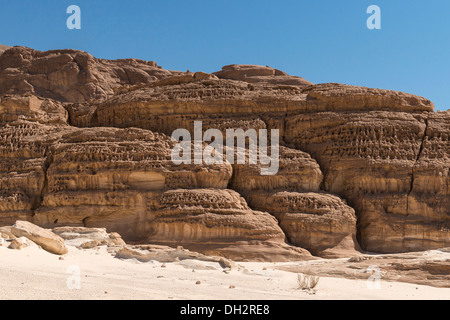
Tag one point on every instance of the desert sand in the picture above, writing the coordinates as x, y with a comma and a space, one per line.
32, 273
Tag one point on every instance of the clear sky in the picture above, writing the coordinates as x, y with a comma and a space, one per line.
320, 40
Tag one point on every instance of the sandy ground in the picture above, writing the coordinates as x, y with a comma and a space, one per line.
32, 273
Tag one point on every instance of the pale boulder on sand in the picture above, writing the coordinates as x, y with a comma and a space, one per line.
45, 238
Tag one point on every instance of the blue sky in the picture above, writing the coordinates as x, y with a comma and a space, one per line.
320, 40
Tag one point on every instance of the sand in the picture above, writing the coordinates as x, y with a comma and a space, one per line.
32, 273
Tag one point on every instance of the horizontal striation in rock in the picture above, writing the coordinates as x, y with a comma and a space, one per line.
210, 219
260, 74
122, 159
23, 147
341, 97
296, 171
373, 159
320, 222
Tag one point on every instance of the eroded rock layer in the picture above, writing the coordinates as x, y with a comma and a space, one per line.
85, 142
319, 222
386, 165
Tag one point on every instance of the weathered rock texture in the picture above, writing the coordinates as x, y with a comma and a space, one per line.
319, 222
260, 74
393, 169
87, 238
85, 142
70, 75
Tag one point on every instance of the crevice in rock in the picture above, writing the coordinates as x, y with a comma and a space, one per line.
80, 67
284, 127
322, 188
324, 174
128, 76
84, 221
424, 136
47, 162
423, 139
230, 181
69, 117
287, 240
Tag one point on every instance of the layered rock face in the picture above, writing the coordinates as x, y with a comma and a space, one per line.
23, 149
85, 142
211, 220
319, 222
380, 163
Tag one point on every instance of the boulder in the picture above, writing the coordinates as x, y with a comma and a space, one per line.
45, 238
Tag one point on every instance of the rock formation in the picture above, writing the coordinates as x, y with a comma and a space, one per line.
321, 223
71, 75
45, 238
87, 238
85, 142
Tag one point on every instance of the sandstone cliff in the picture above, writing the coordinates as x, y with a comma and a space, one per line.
86, 142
